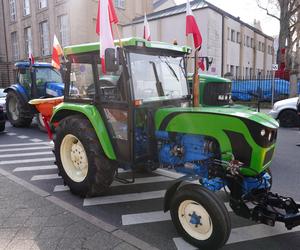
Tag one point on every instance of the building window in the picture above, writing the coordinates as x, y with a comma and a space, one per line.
232, 35
251, 72
252, 41
248, 41
63, 30
232, 70
120, 4
43, 4
259, 46
263, 47
26, 7
228, 34
15, 46
28, 40
247, 72
237, 71
44, 32
244, 40
12, 10
238, 37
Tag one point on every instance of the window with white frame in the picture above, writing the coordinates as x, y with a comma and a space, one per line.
26, 7
44, 33
120, 4
43, 4
63, 24
28, 40
12, 10
14, 46
238, 37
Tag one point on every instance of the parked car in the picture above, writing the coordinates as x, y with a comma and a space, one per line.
286, 112
2, 99
2, 119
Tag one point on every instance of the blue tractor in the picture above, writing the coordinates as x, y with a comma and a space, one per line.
38, 80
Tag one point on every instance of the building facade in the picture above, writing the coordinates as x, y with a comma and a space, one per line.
236, 47
29, 26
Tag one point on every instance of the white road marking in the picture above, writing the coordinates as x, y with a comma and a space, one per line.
61, 188
45, 177
23, 144
240, 234
11, 134
150, 217
24, 169
23, 136
168, 173
143, 181
123, 198
26, 154
24, 149
36, 140
50, 159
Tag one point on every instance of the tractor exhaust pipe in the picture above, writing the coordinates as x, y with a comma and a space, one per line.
196, 80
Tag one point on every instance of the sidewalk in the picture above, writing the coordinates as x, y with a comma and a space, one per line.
31, 221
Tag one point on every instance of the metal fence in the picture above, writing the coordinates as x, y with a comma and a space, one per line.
260, 88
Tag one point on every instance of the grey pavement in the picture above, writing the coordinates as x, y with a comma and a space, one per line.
31, 221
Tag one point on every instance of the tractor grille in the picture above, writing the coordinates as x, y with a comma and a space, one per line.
217, 94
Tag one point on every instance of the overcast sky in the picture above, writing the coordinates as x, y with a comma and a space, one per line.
247, 10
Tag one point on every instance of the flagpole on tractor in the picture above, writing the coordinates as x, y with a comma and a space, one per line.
118, 34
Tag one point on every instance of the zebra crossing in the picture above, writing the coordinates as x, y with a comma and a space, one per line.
34, 162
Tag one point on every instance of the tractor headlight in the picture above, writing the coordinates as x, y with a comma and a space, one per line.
262, 132
270, 136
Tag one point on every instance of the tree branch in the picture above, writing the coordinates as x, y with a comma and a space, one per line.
266, 9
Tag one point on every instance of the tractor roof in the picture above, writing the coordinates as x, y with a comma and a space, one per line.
132, 41
26, 64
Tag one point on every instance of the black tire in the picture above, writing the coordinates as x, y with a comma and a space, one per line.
2, 127
23, 117
288, 119
101, 170
40, 123
219, 217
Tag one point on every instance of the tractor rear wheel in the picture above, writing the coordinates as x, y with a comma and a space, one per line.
80, 158
200, 217
40, 122
19, 115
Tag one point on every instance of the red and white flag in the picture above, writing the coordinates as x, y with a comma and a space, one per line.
105, 18
191, 26
30, 57
56, 53
147, 33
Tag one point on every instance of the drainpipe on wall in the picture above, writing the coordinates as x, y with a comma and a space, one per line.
5, 38
223, 33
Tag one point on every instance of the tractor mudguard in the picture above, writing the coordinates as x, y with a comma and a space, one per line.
91, 113
185, 180
21, 92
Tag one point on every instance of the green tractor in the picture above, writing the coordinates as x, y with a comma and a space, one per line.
141, 115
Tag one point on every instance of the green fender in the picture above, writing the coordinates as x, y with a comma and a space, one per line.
91, 113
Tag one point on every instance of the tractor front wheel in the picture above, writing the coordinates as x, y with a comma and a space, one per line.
200, 217
80, 158
18, 115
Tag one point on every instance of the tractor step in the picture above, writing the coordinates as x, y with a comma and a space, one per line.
123, 180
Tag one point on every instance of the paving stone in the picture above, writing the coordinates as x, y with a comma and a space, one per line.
28, 233
103, 239
20, 244
124, 246
46, 244
13, 222
66, 219
22, 212
4, 243
8, 233
51, 232
36, 221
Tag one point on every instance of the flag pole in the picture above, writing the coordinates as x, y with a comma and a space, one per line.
118, 34
196, 80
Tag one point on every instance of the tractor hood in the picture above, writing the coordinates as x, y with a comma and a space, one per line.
164, 115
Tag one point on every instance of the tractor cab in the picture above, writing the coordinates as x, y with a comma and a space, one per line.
141, 78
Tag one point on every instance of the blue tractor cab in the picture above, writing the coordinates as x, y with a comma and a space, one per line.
38, 80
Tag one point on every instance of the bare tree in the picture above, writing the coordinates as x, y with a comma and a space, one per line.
288, 17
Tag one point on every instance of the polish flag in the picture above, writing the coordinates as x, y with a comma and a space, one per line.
56, 53
147, 33
191, 26
105, 18
30, 57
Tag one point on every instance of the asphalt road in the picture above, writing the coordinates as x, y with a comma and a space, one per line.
137, 208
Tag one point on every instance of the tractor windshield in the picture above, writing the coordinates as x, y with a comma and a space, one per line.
44, 75
157, 77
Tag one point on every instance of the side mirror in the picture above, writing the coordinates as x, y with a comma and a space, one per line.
111, 62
